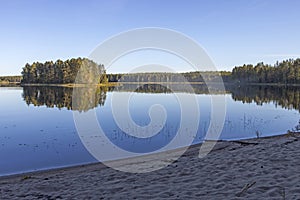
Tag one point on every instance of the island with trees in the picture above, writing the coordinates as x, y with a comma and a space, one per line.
63, 72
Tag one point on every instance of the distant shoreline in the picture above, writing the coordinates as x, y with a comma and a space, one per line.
110, 84
71, 85
9, 84
136, 83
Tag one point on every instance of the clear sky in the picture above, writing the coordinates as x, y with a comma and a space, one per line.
233, 32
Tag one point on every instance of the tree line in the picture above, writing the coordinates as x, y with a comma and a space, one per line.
10, 79
64, 72
196, 76
285, 72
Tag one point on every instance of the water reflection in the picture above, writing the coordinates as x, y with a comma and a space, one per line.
61, 97
48, 138
171, 88
286, 97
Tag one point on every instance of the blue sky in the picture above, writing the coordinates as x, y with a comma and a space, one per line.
232, 32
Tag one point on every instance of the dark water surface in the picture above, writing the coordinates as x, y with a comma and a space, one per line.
37, 129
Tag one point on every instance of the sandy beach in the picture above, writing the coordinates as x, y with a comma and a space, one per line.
264, 168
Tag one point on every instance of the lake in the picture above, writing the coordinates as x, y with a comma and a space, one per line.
37, 129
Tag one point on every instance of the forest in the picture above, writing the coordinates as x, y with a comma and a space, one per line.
64, 72
285, 72
209, 76
10, 79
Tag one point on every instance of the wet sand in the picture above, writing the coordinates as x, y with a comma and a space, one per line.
265, 168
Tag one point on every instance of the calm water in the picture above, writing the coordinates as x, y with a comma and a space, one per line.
37, 129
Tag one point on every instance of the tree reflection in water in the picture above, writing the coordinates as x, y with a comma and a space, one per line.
287, 97
61, 97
